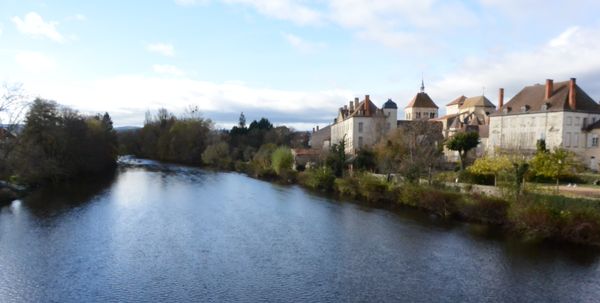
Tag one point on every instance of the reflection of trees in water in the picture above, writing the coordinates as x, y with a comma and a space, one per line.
59, 197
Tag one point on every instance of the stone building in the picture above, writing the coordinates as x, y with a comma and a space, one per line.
421, 107
362, 123
560, 113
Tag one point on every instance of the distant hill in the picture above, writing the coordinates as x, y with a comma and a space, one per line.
126, 128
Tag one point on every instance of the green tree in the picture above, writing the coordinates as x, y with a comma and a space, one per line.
554, 164
492, 166
463, 142
282, 160
365, 159
58, 143
336, 159
217, 155
263, 156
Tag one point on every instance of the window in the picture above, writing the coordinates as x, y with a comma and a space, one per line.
431, 115
569, 120
595, 141
360, 127
387, 126
360, 142
418, 116
575, 140
568, 140
585, 122
577, 121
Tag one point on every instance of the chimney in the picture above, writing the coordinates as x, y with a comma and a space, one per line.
367, 105
501, 98
572, 94
345, 107
351, 106
313, 129
549, 89
317, 128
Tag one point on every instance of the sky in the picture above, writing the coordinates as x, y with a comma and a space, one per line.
292, 61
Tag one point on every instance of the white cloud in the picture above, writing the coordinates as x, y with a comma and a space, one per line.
572, 53
161, 48
167, 69
127, 98
191, 2
35, 62
291, 10
77, 17
33, 24
301, 44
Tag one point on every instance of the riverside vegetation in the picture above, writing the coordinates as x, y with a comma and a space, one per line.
58, 143
55, 144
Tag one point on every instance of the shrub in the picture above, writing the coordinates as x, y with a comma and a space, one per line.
282, 160
581, 226
440, 202
217, 155
372, 188
321, 178
484, 209
536, 221
347, 186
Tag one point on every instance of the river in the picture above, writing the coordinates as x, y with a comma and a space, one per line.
158, 233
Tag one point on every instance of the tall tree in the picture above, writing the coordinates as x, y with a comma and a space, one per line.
412, 150
463, 142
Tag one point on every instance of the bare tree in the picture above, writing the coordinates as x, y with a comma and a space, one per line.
13, 105
412, 150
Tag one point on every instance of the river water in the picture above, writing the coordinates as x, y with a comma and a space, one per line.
165, 233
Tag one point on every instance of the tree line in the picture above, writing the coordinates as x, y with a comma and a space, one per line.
57, 143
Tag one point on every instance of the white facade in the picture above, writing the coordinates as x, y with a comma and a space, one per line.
559, 129
452, 109
360, 128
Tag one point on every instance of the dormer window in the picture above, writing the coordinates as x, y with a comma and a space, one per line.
545, 106
524, 108
506, 110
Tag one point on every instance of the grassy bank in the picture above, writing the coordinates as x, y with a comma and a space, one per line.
534, 217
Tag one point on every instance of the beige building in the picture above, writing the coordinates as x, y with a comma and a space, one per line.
467, 114
560, 113
362, 123
421, 107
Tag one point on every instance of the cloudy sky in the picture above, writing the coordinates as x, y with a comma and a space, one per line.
293, 61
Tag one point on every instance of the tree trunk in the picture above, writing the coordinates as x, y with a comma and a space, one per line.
557, 184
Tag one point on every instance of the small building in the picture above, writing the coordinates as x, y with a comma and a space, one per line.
320, 138
305, 157
421, 107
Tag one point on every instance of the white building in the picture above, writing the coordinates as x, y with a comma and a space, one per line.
363, 124
560, 113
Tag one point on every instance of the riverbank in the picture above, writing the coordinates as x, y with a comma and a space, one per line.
530, 216
10, 192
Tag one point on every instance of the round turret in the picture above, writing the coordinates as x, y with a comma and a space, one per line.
389, 104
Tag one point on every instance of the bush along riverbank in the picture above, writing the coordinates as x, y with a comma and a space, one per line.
534, 217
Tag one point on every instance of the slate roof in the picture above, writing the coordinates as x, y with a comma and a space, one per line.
390, 104
534, 98
422, 100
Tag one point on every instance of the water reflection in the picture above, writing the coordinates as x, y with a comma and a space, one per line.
168, 233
